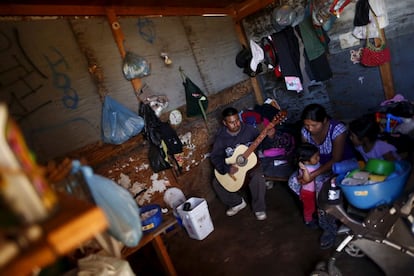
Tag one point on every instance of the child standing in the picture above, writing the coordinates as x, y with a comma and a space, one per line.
364, 133
308, 160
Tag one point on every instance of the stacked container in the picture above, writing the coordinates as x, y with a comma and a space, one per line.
196, 218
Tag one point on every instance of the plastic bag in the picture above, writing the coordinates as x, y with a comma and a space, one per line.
196, 100
157, 103
135, 66
152, 123
98, 265
119, 207
118, 122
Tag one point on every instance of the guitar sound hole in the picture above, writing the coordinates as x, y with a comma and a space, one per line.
241, 161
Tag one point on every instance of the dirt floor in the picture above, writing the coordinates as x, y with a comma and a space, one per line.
241, 245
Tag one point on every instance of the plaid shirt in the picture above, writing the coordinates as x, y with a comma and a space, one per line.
325, 149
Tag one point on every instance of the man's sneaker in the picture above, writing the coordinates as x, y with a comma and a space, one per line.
235, 209
260, 215
327, 240
269, 184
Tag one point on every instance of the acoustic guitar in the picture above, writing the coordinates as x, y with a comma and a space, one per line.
244, 158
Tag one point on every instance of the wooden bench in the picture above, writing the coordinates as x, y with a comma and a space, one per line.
276, 178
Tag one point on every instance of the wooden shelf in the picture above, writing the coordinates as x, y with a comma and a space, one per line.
158, 244
75, 222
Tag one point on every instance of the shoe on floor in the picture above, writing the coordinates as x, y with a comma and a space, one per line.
235, 209
269, 185
313, 224
327, 240
261, 215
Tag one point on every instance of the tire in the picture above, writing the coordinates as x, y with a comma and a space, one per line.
354, 251
334, 271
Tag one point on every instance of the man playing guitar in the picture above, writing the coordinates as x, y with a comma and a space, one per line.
233, 158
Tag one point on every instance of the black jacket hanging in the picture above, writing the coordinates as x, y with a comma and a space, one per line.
361, 17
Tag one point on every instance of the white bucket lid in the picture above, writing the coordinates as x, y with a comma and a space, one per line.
174, 197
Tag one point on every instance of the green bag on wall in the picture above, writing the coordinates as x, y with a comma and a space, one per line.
196, 100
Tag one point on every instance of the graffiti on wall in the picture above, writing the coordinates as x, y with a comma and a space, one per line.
21, 80
146, 29
16, 79
36, 81
62, 81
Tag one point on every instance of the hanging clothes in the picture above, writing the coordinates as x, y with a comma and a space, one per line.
288, 51
313, 45
321, 68
316, 50
304, 62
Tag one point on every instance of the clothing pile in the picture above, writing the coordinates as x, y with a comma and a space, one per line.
275, 154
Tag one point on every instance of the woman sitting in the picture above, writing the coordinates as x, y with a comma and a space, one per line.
330, 136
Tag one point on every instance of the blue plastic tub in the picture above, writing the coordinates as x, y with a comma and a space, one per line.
151, 217
367, 196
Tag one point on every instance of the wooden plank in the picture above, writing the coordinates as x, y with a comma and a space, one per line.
95, 10
172, 11
239, 11
75, 222
243, 40
386, 75
50, 10
30, 260
250, 7
116, 30
164, 256
149, 237
387, 80
119, 39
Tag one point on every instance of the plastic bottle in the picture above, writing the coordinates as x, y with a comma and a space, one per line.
334, 192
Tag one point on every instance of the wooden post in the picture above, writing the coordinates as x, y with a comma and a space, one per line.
243, 40
386, 75
119, 39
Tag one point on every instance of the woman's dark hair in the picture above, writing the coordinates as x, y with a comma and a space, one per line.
305, 151
365, 126
229, 111
314, 112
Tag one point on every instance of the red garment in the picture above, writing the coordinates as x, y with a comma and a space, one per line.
250, 113
309, 204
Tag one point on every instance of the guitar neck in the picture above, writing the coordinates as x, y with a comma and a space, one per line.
255, 144
278, 118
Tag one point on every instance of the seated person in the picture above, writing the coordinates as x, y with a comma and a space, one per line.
277, 148
277, 153
229, 137
364, 133
330, 136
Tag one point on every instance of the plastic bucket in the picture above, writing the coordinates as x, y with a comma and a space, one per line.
151, 217
367, 196
196, 218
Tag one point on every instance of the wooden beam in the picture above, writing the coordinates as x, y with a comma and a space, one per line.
171, 11
243, 40
50, 10
89, 10
386, 76
249, 7
119, 39
387, 80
